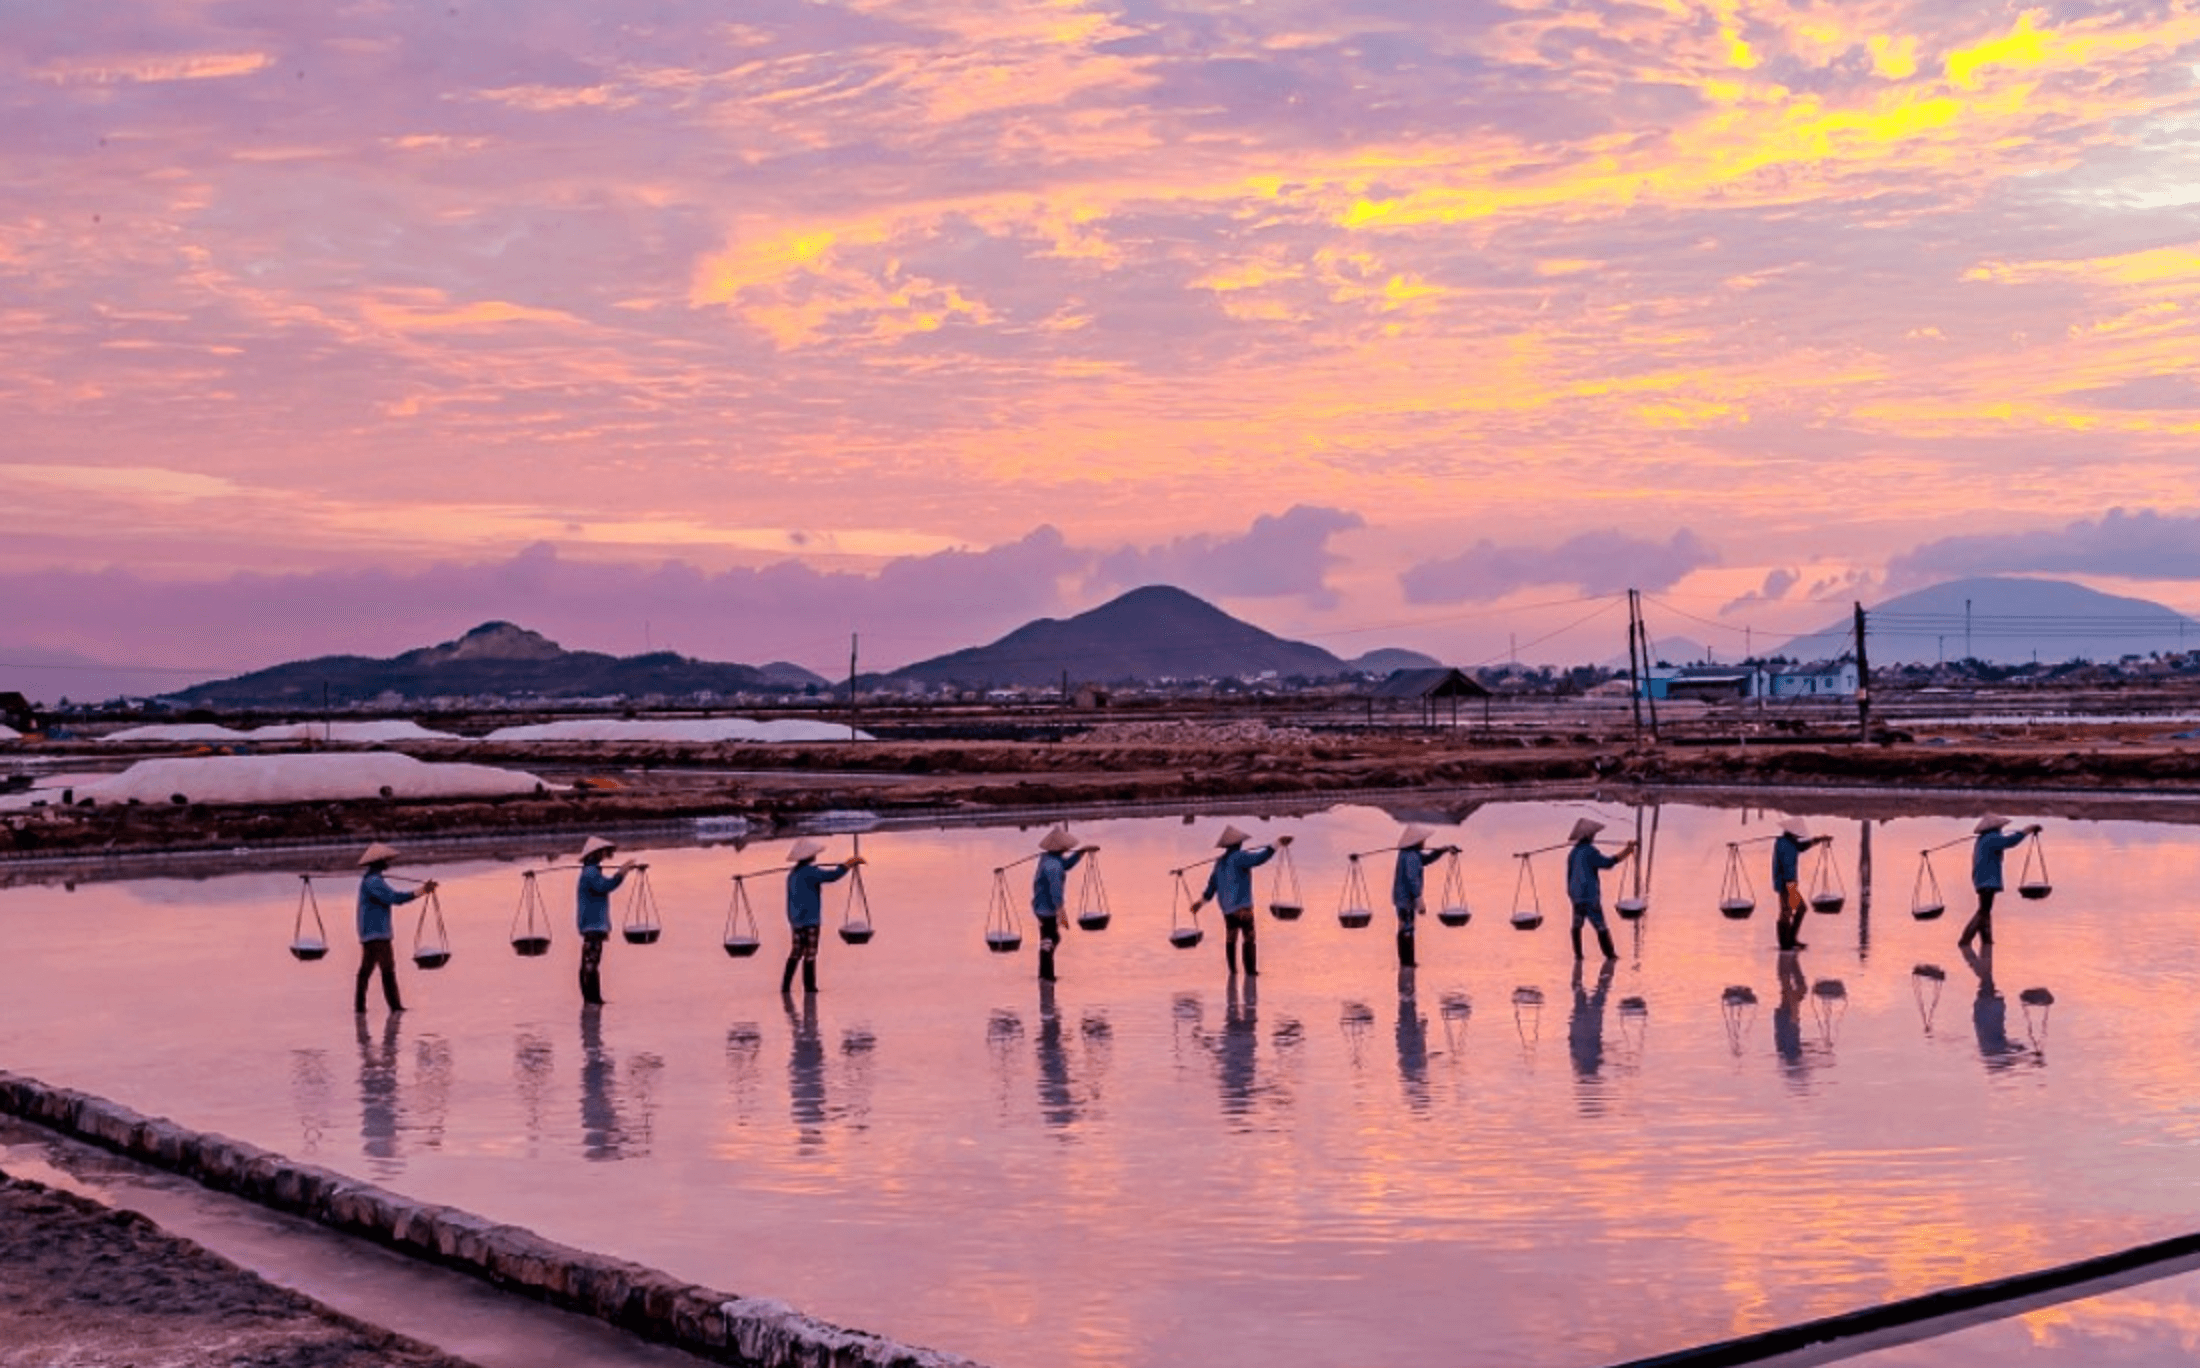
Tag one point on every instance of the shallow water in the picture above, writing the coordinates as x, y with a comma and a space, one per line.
1152, 1165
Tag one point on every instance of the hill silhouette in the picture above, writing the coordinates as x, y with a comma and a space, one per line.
1154, 633
496, 658
2011, 620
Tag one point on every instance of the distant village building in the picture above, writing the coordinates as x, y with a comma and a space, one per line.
1753, 680
1821, 679
16, 712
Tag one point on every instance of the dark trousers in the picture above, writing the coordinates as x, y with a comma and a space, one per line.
373, 955
1050, 935
1981, 924
592, 967
1792, 907
802, 951
1238, 926
1405, 937
1594, 915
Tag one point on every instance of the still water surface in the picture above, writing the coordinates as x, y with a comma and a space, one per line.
1491, 1161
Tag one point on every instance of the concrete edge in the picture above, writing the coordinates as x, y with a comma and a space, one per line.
749, 1332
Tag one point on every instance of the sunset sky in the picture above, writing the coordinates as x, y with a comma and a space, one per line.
737, 328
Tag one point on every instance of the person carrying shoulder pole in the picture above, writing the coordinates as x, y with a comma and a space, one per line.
1787, 879
592, 912
806, 908
1406, 883
376, 898
1585, 866
1230, 883
1059, 853
1986, 853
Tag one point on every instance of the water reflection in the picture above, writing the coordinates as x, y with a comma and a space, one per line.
1926, 983
1990, 1016
1528, 1019
1797, 1060
1738, 1005
1412, 1036
602, 1134
1585, 1039
806, 1098
1457, 1012
534, 1059
744, 1066
312, 1091
1356, 1020
1057, 1090
378, 1094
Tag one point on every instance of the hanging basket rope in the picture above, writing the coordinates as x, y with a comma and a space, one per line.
1184, 932
308, 945
641, 924
1093, 911
431, 938
1633, 903
855, 917
1452, 909
1527, 908
1926, 902
742, 940
1286, 902
1926, 983
530, 920
1737, 897
1828, 893
2034, 883
1355, 908
1004, 932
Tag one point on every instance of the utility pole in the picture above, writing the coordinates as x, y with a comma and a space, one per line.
1642, 632
1635, 675
851, 686
1863, 682
1968, 653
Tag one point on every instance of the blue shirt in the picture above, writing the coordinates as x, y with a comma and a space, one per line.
1230, 883
805, 904
1986, 854
1787, 862
1405, 883
1583, 865
592, 900
376, 898
1050, 880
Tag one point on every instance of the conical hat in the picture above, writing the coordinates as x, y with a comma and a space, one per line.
1585, 829
375, 854
1796, 827
1990, 822
595, 844
1414, 835
1231, 836
808, 848
1057, 841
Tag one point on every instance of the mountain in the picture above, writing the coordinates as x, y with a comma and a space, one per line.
1382, 663
2008, 620
494, 658
1675, 650
1153, 633
788, 675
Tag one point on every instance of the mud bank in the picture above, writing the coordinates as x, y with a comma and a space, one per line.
83, 1284
718, 1326
772, 787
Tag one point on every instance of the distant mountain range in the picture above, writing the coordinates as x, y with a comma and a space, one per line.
2008, 620
1154, 633
495, 658
1148, 634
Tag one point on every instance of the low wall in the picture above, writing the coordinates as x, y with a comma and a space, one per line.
745, 1331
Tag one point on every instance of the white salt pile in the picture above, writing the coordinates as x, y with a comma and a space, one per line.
291, 779
8, 733
356, 733
700, 731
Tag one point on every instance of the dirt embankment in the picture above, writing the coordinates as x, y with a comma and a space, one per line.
83, 1285
773, 784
